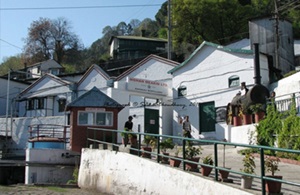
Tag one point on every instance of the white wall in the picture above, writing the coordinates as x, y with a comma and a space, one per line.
14, 89
122, 173
49, 166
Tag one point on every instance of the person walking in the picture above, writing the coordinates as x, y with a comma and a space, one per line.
127, 127
186, 126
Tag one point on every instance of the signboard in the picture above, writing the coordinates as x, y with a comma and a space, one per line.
147, 86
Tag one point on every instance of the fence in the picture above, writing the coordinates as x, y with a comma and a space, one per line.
183, 142
39, 131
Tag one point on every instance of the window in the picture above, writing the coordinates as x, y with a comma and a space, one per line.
234, 81
61, 105
30, 104
40, 103
54, 71
182, 91
95, 118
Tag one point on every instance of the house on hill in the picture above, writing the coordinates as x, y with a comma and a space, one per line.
34, 71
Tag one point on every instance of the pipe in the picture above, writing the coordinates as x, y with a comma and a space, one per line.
257, 77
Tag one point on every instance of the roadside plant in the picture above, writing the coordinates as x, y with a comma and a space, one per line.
271, 165
166, 144
193, 151
208, 160
248, 164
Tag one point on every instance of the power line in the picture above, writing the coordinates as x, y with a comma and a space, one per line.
11, 44
80, 7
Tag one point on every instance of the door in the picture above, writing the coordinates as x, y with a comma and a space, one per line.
207, 117
151, 121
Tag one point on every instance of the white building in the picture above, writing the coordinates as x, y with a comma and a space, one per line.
206, 82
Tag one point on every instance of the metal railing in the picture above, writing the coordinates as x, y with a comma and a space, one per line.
40, 131
284, 103
182, 141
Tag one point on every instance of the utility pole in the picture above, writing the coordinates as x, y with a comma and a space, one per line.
169, 31
7, 103
276, 36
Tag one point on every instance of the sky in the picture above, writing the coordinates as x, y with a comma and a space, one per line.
87, 18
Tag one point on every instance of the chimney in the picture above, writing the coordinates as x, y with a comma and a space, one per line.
143, 31
257, 77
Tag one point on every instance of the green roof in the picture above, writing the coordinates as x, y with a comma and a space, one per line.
139, 38
226, 49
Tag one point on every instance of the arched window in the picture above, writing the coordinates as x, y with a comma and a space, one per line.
182, 91
234, 81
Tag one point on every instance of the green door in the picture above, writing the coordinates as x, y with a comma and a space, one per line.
207, 117
151, 121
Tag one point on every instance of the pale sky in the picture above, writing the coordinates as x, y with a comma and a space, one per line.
87, 18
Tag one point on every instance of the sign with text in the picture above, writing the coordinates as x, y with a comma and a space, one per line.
147, 86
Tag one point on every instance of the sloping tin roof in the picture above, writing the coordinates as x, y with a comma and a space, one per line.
205, 43
95, 98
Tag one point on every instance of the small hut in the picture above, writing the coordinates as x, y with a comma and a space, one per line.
92, 109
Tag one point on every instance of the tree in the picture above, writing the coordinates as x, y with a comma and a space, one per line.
50, 39
13, 62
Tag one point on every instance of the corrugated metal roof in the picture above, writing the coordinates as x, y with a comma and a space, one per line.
205, 43
95, 98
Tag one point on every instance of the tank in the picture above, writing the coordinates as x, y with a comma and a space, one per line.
46, 142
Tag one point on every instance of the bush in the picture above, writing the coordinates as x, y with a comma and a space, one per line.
269, 127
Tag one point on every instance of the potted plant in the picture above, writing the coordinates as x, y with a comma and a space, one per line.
238, 117
175, 162
191, 155
132, 138
271, 165
247, 116
258, 110
164, 145
249, 168
206, 170
148, 140
224, 173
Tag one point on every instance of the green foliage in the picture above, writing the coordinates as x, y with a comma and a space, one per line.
271, 164
150, 140
75, 176
211, 20
248, 164
193, 151
166, 144
269, 127
69, 68
255, 108
14, 63
208, 160
289, 135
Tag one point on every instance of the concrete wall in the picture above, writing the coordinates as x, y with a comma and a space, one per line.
245, 134
49, 166
122, 173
